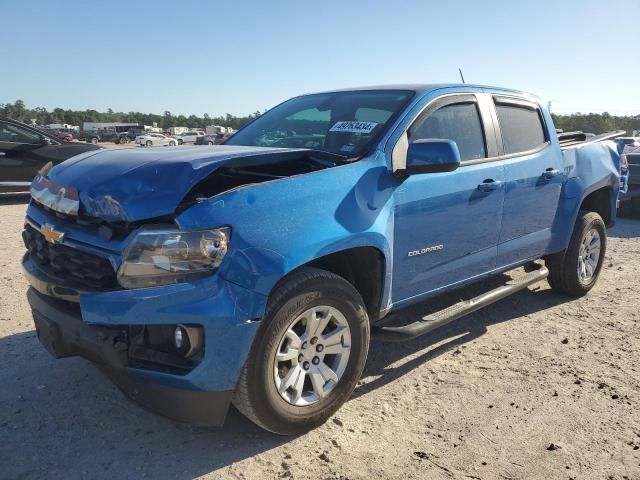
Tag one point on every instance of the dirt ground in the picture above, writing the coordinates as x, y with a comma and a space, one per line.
538, 386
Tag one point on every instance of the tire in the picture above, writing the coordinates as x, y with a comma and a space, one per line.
564, 267
257, 395
94, 140
172, 144
209, 143
149, 143
180, 142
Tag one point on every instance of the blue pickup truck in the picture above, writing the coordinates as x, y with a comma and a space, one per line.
255, 272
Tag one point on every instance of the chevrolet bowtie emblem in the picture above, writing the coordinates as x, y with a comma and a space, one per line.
50, 234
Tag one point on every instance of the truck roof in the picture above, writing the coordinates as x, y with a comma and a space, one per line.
424, 87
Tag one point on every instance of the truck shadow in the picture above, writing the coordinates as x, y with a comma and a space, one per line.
62, 418
383, 357
626, 227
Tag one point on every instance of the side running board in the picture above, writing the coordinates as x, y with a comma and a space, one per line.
448, 315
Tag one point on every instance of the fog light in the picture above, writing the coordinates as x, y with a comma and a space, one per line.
179, 337
188, 340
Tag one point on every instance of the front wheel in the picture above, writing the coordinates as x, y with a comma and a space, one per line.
172, 143
149, 143
575, 271
308, 355
180, 142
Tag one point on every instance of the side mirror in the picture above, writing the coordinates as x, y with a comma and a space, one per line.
431, 156
45, 140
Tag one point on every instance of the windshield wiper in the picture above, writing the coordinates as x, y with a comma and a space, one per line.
323, 156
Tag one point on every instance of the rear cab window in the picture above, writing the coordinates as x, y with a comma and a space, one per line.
521, 125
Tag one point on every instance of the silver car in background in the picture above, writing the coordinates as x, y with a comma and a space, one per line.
188, 137
154, 140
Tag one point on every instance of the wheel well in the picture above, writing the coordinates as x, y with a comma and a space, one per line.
363, 267
599, 202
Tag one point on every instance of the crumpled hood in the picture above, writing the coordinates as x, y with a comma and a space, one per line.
132, 184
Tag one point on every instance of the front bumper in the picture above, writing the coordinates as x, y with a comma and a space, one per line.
95, 329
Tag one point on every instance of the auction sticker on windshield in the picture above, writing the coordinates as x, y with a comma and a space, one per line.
353, 127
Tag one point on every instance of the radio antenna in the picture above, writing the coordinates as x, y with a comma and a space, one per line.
461, 76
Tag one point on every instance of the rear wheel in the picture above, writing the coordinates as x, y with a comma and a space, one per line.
209, 142
149, 143
94, 140
308, 355
576, 270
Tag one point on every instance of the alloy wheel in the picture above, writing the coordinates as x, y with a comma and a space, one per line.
589, 256
312, 356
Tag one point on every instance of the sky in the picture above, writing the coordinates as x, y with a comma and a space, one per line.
196, 57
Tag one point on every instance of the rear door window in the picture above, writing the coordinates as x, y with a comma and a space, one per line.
521, 126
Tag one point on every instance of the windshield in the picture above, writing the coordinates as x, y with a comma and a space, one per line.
343, 123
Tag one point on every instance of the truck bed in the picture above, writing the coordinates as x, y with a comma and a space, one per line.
576, 139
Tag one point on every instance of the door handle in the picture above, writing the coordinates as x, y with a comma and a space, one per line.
489, 185
549, 173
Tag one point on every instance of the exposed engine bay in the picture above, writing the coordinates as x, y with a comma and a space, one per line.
258, 169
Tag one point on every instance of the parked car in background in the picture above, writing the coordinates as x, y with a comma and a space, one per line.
188, 137
213, 138
207, 139
132, 133
154, 140
627, 144
60, 135
630, 199
101, 135
24, 150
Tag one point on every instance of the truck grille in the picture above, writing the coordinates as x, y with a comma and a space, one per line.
89, 271
97, 226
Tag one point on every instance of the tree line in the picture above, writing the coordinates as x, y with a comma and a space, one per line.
591, 122
19, 111
596, 122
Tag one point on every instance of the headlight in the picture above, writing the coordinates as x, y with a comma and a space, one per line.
161, 257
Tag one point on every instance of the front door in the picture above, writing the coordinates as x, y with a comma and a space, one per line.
447, 225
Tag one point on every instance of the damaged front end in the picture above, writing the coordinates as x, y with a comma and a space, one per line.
115, 280
128, 185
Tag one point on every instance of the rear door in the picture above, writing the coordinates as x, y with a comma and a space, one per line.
534, 177
447, 224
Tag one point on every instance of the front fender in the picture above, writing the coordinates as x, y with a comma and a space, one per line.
280, 225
